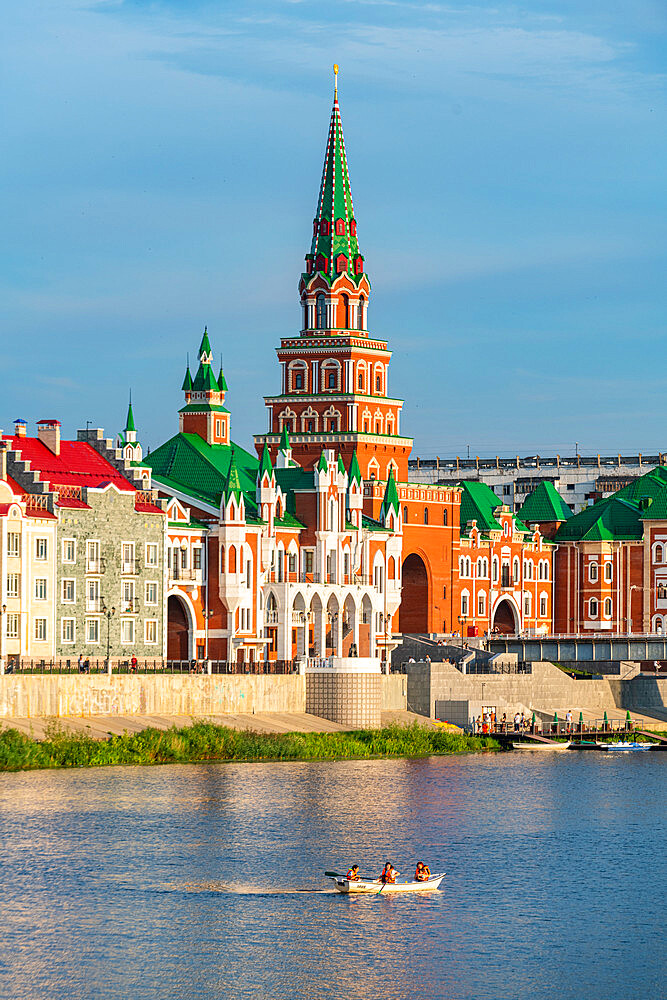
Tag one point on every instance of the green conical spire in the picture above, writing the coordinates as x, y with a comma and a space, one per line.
390, 495
187, 381
265, 465
335, 204
205, 346
129, 423
284, 445
355, 471
341, 464
222, 381
323, 465
233, 480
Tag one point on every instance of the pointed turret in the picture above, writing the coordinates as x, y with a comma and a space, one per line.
323, 465
205, 353
335, 248
390, 502
341, 465
127, 438
265, 467
222, 381
129, 423
204, 412
354, 473
187, 381
233, 485
284, 445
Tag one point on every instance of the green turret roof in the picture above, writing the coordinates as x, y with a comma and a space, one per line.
284, 444
222, 381
265, 464
335, 203
479, 503
620, 516
205, 380
233, 484
129, 423
323, 465
390, 495
205, 346
341, 464
545, 504
187, 381
355, 471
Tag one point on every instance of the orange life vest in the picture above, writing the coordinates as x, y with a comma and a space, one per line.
423, 874
387, 876
353, 876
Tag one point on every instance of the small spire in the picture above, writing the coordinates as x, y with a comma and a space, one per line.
205, 347
354, 471
335, 68
265, 467
323, 465
129, 423
285, 445
222, 381
233, 479
390, 496
341, 464
187, 381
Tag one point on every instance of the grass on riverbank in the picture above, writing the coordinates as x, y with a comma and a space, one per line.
205, 741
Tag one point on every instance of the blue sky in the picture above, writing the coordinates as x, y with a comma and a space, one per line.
160, 169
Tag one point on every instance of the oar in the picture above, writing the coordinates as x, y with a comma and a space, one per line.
384, 884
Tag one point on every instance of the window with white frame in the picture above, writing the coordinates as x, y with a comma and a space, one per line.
41, 549
13, 543
68, 591
196, 557
151, 592
13, 584
481, 603
593, 608
126, 631
607, 607
12, 626
92, 595
127, 557
69, 550
527, 605
92, 556
592, 572
40, 629
515, 570
92, 630
151, 554
127, 595
494, 569
464, 604
608, 572
150, 631
68, 630
40, 588
544, 606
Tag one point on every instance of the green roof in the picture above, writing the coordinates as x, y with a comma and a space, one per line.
200, 470
187, 381
355, 471
478, 503
620, 516
205, 380
335, 203
545, 504
390, 496
322, 465
205, 346
222, 381
129, 423
265, 465
284, 445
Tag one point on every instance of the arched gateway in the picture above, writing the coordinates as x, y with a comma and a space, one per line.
178, 630
413, 612
505, 618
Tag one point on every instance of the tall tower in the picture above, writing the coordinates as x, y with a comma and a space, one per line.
334, 374
204, 412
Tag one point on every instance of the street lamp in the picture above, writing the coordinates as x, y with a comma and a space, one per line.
108, 614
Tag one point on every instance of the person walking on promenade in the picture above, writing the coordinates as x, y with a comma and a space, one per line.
568, 720
517, 721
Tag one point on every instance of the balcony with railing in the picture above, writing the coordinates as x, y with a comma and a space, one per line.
182, 575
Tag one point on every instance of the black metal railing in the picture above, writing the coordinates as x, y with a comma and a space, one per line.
98, 665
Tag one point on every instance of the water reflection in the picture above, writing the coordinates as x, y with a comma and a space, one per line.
206, 881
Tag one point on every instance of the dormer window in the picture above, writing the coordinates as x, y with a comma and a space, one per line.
341, 263
353, 227
340, 227
358, 265
314, 227
321, 263
324, 227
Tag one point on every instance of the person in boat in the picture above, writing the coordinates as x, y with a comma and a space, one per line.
423, 872
353, 874
389, 873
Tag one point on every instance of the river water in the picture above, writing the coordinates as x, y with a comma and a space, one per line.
205, 881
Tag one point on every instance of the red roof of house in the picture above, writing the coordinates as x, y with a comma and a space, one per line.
15, 486
78, 464
147, 508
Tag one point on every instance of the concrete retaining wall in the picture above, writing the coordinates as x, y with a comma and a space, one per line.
349, 699
547, 688
394, 693
172, 694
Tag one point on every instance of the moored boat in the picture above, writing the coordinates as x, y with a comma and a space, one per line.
374, 886
625, 745
542, 746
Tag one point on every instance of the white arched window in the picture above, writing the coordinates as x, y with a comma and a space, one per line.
607, 607
593, 608
527, 605
608, 572
658, 553
464, 603
657, 625
592, 572
481, 603
360, 313
515, 570
494, 569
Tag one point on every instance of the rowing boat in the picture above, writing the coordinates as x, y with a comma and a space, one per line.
370, 886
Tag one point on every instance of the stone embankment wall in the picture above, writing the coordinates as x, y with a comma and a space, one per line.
349, 699
40, 696
174, 694
547, 689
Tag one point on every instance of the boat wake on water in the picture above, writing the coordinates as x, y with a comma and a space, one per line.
250, 890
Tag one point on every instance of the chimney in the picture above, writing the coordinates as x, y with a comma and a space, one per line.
3, 458
48, 432
20, 427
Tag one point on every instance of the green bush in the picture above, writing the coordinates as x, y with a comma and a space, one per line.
205, 741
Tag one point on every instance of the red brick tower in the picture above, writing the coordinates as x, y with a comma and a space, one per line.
334, 374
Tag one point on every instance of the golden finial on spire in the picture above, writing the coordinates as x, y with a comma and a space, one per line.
336, 81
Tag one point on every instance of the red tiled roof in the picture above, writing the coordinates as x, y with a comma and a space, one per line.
15, 486
40, 513
147, 508
72, 503
78, 464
